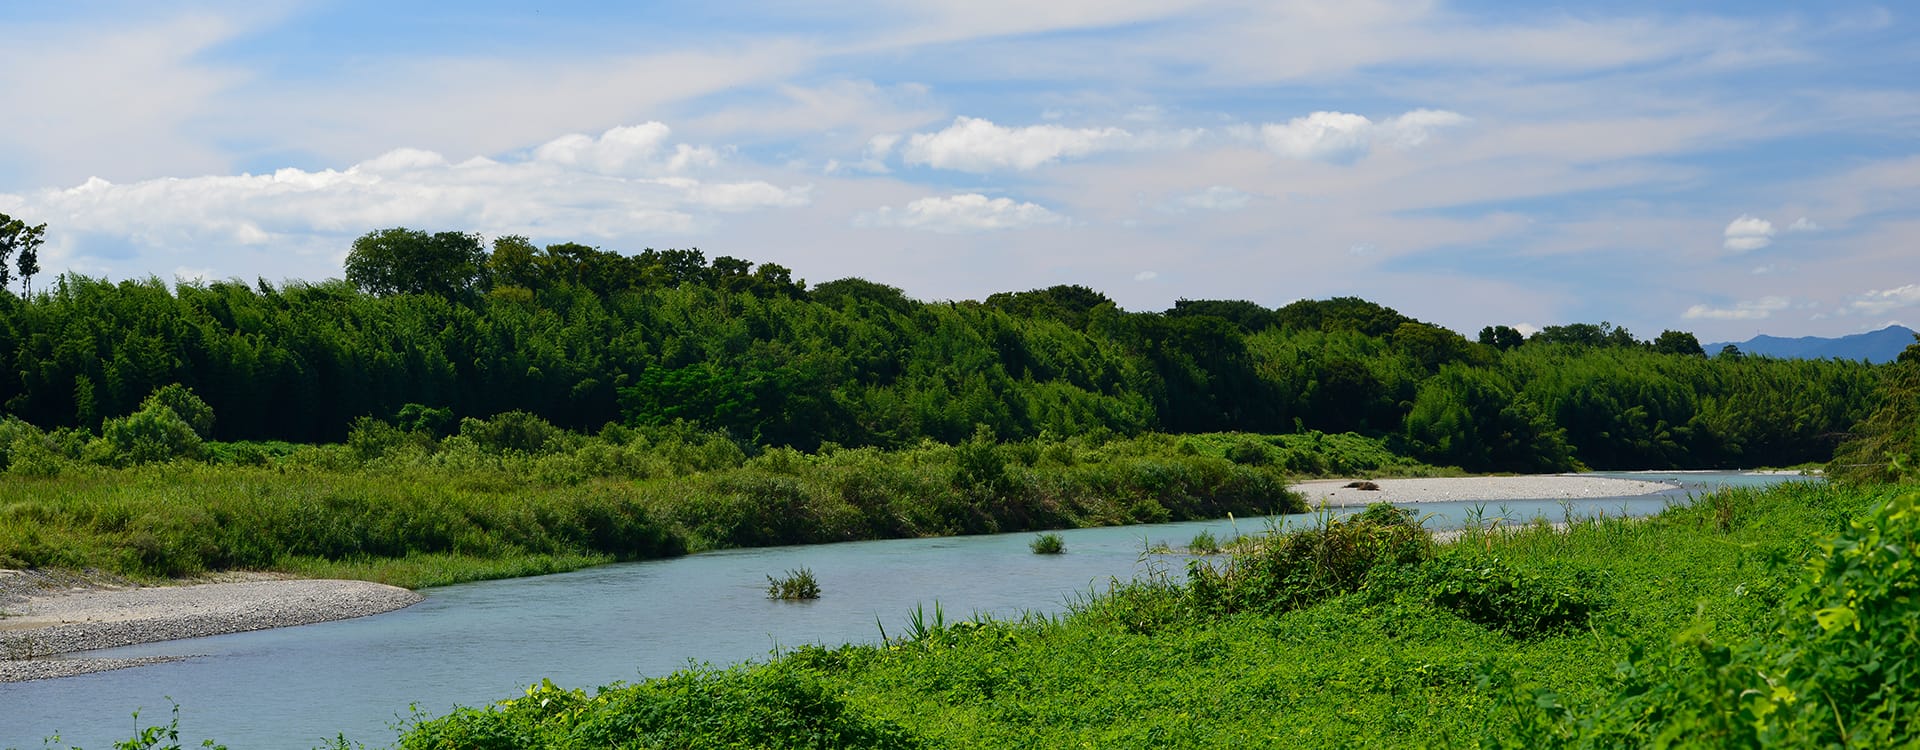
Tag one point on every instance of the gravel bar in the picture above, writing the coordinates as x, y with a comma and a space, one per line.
1335, 492
38, 625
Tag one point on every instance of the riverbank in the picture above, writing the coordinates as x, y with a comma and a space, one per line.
1342, 492
48, 618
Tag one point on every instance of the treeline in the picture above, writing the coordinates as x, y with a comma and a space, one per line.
439, 326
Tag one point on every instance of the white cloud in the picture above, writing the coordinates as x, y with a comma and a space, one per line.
1342, 136
626, 182
1747, 233
1803, 224
1215, 198
1146, 276
1526, 329
957, 214
977, 145
1883, 300
1330, 136
1759, 309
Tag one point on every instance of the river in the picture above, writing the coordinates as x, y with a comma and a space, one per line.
471, 644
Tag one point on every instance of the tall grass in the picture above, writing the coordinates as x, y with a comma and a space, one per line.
408, 509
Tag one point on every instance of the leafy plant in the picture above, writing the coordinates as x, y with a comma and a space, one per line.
794, 585
1048, 544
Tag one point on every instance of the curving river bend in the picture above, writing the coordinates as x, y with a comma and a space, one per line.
475, 643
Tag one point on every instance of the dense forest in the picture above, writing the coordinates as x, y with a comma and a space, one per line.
431, 328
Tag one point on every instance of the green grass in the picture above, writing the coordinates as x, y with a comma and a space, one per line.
1048, 544
405, 509
1508, 637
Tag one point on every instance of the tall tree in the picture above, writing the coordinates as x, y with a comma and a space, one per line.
17, 237
409, 261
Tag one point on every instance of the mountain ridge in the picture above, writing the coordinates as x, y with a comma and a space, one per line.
1879, 346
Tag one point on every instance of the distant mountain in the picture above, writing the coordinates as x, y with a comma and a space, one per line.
1877, 346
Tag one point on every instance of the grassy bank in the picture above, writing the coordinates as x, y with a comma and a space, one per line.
516, 498
1727, 623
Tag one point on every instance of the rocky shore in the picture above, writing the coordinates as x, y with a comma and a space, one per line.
46, 620
1337, 492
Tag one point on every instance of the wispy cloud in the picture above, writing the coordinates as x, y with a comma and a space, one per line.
1759, 309
1881, 301
1342, 136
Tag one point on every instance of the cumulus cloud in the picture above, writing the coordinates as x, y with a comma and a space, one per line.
958, 214
1883, 300
624, 182
1759, 309
1747, 233
1344, 137
976, 145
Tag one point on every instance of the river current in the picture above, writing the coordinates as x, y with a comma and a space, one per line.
471, 644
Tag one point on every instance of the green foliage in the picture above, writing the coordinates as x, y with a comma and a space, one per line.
151, 435
186, 405
20, 245
1048, 544
403, 507
1885, 446
1492, 593
1473, 419
409, 261
772, 707
514, 431
1203, 543
794, 585
1305, 567
431, 329
1678, 342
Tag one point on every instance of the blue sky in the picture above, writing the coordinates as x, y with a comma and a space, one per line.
1724, 168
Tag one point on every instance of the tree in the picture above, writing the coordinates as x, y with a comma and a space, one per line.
408, 261
16, 237
1501, 337
1678, 342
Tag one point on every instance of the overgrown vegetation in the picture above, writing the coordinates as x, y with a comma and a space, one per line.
514, 495
435, 328
1788, 626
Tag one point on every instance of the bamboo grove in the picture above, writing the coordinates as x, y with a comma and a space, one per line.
442, 326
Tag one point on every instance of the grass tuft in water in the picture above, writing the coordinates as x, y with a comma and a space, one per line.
795, 585
1048, 544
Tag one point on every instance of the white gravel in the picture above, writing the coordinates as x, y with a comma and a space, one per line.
39, 624
1334, 492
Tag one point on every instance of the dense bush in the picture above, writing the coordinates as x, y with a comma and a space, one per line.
771, 707
1304, 567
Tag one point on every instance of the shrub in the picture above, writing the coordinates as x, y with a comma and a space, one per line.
153, 434
185, 404
1203, 543
796, 584
1492, 594
1307, 566
768, 706
1048, 544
